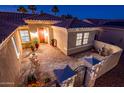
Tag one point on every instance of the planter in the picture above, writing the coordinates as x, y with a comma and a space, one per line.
32, 48
36, 45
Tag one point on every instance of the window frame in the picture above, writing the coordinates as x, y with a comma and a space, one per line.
24, 36
86, 38
79, 39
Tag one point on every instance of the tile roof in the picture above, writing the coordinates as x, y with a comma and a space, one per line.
44, 16
73, 23
65, 23
9, 22
79, 23
97, 21
14, 18
6, 30
115, 23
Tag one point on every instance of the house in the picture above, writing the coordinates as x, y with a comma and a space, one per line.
45, 27
68, 33
19, 31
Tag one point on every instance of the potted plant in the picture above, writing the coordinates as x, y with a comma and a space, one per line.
32, 48
36, 44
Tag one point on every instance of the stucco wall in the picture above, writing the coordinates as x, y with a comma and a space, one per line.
18, 41
66, 40
61, 35
112, 36
9, 63
34, 27
72, 48
110, 61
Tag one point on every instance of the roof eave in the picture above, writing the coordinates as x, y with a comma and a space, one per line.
49, 22
84, 29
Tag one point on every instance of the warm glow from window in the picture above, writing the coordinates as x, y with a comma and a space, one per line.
79, 39
86, 38
24, 36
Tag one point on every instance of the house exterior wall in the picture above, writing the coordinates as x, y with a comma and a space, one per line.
66, 40
23, 28
61, 35
9, 63
18, 41
34, 28
72, 48
112, 36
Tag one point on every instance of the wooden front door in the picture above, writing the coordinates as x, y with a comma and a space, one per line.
41, 35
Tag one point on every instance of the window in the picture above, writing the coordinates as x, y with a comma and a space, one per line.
86, 37
24, 36
79, 39
15, 47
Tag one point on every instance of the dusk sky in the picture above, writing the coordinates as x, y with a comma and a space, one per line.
80, 11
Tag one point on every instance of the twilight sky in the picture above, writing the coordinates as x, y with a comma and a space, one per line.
80, 11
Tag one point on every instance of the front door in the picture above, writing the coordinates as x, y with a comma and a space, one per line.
41, 35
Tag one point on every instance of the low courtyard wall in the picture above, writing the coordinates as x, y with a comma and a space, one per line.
110, 61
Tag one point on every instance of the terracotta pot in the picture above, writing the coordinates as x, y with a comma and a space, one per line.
32, 48
37, 45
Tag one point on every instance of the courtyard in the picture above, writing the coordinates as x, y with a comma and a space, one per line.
49, 58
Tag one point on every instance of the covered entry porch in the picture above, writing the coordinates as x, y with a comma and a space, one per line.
35, 34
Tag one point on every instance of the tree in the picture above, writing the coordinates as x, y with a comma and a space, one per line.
55, 9
22, 9
33, 8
